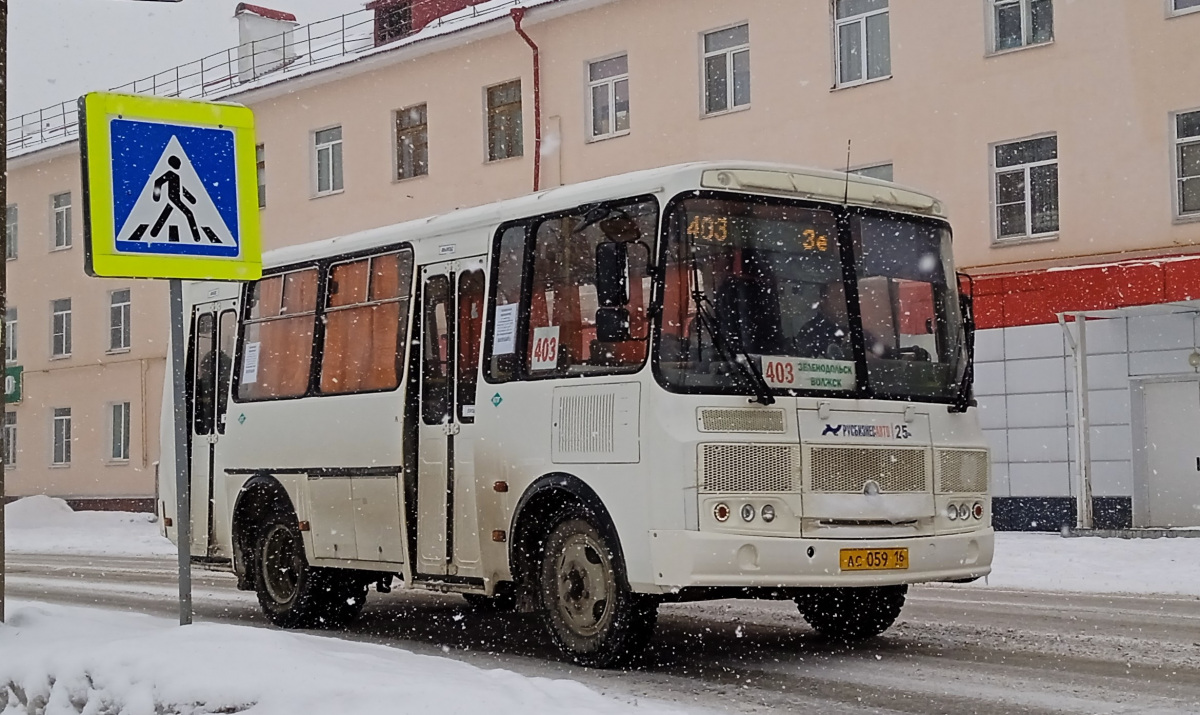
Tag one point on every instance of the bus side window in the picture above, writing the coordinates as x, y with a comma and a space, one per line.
227, 337
507, 318
437, 341
205, 378
470, 338
277, 341
366, 324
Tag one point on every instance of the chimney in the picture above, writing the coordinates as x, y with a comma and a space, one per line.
264, 40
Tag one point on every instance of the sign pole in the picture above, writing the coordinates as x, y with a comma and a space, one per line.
4, 261
183, 497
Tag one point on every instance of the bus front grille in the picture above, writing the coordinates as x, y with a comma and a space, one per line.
962, 470
749, 468
848, 469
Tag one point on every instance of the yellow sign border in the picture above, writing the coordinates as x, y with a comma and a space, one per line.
102, 260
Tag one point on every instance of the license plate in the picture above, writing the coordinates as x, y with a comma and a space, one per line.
873, 559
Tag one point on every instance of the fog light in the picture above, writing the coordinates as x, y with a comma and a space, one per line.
978, 510
768, 513
747, 512
721, 512
952, 512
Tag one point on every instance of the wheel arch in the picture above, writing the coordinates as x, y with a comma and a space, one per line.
543, 504
261, 495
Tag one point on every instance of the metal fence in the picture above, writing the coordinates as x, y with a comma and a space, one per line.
224, 72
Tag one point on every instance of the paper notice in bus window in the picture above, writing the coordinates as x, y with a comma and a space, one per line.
250, 363
505, 340
545, 349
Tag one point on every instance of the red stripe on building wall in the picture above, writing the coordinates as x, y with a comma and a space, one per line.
1036, 297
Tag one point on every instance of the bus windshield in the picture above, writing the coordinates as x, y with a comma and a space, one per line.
761, 282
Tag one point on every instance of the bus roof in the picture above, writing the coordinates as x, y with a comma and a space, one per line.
746, 176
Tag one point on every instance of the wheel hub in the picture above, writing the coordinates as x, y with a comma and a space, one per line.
584, 585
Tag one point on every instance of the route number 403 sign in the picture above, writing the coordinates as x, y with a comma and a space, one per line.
545, 348
808, 374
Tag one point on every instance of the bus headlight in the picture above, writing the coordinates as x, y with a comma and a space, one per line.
721, 512
952, 512
977, 510
768, 513
747, 512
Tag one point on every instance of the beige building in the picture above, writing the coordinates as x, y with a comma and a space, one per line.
1058, 134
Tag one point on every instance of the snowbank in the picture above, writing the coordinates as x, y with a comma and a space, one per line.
1049, 562
71, 660
45, 525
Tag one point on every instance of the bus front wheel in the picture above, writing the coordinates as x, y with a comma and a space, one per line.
591, 613
852, 613
294, 594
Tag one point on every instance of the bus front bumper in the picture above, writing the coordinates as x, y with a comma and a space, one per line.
695, 558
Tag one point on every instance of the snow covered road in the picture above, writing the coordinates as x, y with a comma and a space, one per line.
955, 650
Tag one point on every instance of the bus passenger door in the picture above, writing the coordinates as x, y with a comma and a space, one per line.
451, 326
209, 368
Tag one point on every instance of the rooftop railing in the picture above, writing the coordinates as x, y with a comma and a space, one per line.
239, 67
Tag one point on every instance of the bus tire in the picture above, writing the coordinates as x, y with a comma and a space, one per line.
294, 594
592, 615
856, 613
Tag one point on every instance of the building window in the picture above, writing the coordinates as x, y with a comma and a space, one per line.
10, 438
61, 204
62, 435
118, 320
863, 40
882, 172
60, 328
10, 334
1026, 188
328, 144
1183, 6
608, 92
412, 142
1018, 23
120, 432
393, 21
504, 121
1187, 161
260, 164
10, 232
726, 69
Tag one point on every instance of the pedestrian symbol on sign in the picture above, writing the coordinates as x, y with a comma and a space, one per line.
174, 207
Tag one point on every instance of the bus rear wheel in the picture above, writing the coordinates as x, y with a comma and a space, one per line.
294, 594
594, 618
852, 613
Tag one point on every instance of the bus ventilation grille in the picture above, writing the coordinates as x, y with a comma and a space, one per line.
848, 469
961, 470
716, 420
749, 467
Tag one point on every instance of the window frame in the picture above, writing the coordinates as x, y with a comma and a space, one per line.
126, 426
993, 35
729, 52
66, 332
260, 173
489, 112
1177, 143
860, 18
55, 212
8, 439
340, 164
126, 315
11, 334
12, 220
521, 373
68, 437
1174, 11
994, 171
323, 267
398, 134
611, 83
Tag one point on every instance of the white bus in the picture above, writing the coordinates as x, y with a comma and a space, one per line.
713, 380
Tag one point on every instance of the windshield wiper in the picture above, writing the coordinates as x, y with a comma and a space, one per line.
708, 322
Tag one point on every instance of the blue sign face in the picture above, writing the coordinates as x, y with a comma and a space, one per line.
174, 189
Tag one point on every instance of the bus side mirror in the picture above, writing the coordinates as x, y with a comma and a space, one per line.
612, 276
612, 325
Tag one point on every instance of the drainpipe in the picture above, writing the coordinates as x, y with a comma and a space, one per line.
518, 14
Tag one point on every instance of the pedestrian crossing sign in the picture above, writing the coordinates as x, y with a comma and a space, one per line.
170, 188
